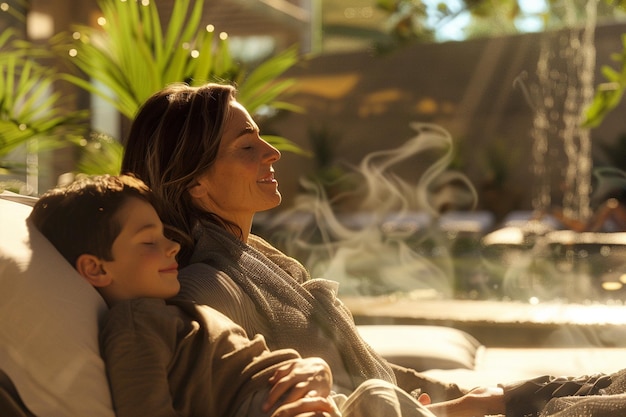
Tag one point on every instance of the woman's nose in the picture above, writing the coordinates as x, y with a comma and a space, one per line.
276, 154
272, 154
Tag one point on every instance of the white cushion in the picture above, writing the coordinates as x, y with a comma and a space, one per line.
423, 347
49, 324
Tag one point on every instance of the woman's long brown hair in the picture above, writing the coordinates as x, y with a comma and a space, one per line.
174, 139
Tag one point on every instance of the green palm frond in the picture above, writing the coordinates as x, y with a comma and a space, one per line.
608, 94
101, 154
29, 107
133, 56
264, 85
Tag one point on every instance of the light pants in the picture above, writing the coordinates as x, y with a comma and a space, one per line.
378, 398
373, 398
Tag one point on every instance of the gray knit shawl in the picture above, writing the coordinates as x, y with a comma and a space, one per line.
611, 404
297, 312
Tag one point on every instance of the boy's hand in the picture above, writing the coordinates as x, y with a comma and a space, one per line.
297, 379
310, 406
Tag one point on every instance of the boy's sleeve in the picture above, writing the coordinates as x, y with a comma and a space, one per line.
233, 368
184, 359
136, 357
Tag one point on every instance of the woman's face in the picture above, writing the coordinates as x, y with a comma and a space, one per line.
241, 180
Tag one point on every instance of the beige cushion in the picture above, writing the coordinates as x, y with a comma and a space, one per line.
423, 347
49, 325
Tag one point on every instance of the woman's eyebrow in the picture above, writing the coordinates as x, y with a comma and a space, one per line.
248, 129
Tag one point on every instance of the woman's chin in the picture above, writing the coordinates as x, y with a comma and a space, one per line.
271, 204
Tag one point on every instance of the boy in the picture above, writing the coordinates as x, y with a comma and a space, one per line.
166, 359
161, 360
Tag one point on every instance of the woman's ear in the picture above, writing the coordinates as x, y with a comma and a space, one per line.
90, 267
196, 190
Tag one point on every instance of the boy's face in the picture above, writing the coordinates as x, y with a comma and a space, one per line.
144, 263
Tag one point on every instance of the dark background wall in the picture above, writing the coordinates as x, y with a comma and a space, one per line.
475, 89
359, 102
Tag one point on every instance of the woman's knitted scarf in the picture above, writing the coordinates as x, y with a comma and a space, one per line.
299, 312
608, 402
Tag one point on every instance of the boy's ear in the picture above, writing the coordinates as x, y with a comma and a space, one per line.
90, 267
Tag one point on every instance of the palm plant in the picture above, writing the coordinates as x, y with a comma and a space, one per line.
32, 115
133, 56
609, 93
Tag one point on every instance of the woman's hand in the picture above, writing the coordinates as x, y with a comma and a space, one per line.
297, 380
477, 402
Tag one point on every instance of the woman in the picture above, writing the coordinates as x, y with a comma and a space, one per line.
202, 155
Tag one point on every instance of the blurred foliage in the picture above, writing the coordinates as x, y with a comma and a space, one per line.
612, 152
100, 154
609, 93
132, 55
413, 21
328, 173
418, 20
32, 114
128, 58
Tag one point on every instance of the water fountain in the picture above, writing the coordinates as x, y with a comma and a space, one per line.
559, 100
537, 262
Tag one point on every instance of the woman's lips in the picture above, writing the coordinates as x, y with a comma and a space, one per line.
268, 179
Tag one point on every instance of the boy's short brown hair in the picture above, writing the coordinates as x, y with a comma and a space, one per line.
81, 217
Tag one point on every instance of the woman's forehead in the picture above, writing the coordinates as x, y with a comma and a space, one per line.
238, 117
